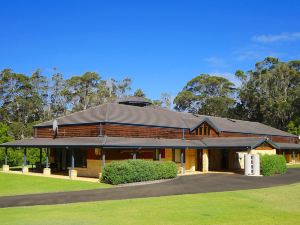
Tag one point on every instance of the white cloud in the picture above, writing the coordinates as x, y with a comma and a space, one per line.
256, 52
271, 38
215, 61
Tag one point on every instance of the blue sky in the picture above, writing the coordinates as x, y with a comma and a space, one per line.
159, 44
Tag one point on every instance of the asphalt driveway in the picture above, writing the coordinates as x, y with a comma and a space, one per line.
192, 184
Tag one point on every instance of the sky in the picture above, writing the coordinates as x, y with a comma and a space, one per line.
161, 45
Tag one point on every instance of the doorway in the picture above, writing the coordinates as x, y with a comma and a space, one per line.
199, 164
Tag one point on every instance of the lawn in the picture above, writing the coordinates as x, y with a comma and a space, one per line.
278, 205
293, 165
15, 184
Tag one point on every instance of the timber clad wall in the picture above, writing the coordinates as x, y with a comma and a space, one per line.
273, 138
117, 130
141, 131
91, 130
113, 130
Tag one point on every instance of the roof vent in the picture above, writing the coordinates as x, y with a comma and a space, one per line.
231, 120
136, 101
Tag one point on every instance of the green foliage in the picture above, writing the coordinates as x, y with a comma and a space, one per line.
294, 126
128, 171
272, 164
139, 93
205, 94
270, 93
15, 156
4, 136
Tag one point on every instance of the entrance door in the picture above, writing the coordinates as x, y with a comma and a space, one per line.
63, 159
199, 159
224, 159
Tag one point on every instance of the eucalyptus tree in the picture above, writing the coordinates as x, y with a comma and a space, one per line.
269, 93
206, 94
57, 105
80, 91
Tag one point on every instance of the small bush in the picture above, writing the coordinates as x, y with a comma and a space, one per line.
129, 171
272, 164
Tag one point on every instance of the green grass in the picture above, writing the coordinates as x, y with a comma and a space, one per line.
293, 165
15, 184
278, 205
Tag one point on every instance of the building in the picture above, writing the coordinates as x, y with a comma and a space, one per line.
83, 142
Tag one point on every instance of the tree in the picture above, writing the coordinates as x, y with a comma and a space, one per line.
39, 86
205, 94
139, 93
166, 100
57, 106
80, 91
21, 103
269, 93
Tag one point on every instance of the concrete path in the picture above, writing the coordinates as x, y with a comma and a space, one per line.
201, 183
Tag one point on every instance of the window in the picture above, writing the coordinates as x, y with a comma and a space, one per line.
80, 158
177, 156
205, 130
200, 130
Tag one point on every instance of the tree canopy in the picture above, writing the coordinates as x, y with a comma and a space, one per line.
206, 94
270, 93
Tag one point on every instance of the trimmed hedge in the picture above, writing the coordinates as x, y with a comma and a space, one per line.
129, 171
272, 164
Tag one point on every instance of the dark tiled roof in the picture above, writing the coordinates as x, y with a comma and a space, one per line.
150, 116
242, 126
237, 142
287, 146
151, 142
58, 142
104, 142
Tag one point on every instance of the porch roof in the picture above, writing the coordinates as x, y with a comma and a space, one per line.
125, 142
235, 142
284, 146
105, 142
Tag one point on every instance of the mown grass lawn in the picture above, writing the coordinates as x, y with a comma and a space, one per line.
293, 165
278, 205
15, 184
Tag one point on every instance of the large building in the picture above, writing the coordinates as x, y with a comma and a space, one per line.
83, 142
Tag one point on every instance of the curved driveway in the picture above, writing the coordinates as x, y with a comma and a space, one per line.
192, 184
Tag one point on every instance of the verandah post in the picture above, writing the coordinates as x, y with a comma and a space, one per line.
103, 159
5, 166
182, 166
47, 157
173, 154
72, 171
159, 154
41, 156
5, 159
25, 168
47, 170
72, 159
134, 154
294, 157
25, 157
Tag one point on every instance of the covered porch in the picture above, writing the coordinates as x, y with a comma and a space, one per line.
87, 156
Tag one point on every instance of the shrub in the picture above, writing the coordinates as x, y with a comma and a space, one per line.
129, 171
272, 164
